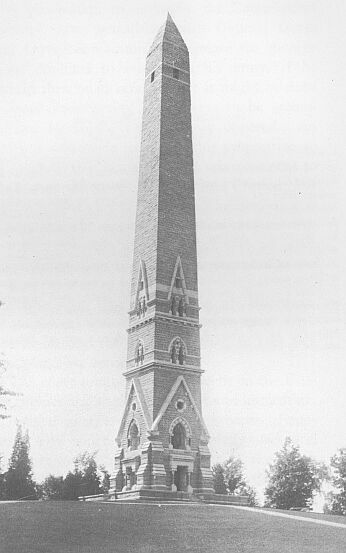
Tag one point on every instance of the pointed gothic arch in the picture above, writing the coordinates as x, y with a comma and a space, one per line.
175, 287
180, 434
133, 435
135, 392
142, 290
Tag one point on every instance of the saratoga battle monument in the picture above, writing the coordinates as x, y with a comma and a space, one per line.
163, 440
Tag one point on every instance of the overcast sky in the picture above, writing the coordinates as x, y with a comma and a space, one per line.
268, 112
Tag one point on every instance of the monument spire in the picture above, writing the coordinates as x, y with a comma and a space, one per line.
168, 32
162, 440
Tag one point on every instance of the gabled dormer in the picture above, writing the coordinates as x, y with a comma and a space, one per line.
177, 296
142, 291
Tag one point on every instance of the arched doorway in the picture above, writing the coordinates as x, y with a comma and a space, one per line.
179, 437
180, 479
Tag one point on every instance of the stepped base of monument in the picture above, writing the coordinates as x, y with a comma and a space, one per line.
167, 495
151, 495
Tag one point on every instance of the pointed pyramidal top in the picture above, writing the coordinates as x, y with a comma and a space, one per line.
169, 33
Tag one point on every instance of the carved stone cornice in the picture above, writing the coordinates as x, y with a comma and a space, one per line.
161, 316
163, 365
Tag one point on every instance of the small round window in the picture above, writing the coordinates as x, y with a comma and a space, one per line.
180, 405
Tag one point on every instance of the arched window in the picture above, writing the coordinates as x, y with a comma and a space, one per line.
133, 437
179, 437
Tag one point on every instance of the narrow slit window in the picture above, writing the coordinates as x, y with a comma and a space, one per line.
175, 73
152, 77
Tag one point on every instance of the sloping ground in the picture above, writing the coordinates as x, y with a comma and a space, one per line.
331, 518
71, 527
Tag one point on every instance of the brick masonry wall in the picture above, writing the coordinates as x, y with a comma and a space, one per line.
147, 382
146, 379
165, 332
148, 190
157, 382
164, 380
176, 218
146, 333
165, 220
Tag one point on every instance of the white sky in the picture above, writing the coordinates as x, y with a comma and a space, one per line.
268, 110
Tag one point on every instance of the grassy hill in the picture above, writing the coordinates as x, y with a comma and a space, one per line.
71, 527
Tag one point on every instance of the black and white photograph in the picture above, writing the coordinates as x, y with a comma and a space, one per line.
172, 277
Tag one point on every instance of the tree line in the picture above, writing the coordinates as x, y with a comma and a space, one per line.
17, 482
292, 480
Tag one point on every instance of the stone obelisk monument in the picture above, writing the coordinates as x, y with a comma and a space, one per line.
162, 441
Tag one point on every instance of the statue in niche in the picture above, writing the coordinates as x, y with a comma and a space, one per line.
174, 305
141, 306
181, 307
178, 352
174, 355
181, 355
175, 351
178, 306
140, 354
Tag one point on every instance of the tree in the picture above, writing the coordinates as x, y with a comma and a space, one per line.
219, 479
84, 480
234, 474
338, 498
87, 466
293, 478
53, 487
229, 479
106, 480
250, 492
18, 482
72, 486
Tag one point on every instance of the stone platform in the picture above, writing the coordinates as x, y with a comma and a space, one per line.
152, 495
158, 496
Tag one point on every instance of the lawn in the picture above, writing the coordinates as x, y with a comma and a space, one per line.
72, 527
